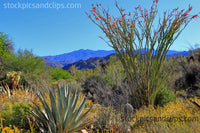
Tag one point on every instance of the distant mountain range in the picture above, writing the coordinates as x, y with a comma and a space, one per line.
90, 63
68, 58
78, 55
84, 59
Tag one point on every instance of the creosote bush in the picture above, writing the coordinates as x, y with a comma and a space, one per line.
164, 96
57, 74
141, 45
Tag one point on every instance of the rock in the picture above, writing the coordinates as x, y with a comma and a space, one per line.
83, 131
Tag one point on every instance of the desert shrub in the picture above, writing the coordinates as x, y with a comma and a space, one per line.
6, 45
108, 84
174, 69
177, 116
15, 114
10, 129
106, 119
19, 96
96, 88
83, 74
32, 67
113, 73
190, 78
164, 96
57, 74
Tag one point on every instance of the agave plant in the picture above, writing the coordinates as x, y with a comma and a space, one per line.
63, 114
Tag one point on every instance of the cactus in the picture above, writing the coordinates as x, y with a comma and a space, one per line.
12, 80
15, 76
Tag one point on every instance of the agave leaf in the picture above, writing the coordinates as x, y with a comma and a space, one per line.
47, 110
60, 106
64, 115
71, 112
38, 112
80, 120
80, 109
53, 104
77, 113
72, 101
68, 111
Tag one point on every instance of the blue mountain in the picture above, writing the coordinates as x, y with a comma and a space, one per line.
82, 55
79, 55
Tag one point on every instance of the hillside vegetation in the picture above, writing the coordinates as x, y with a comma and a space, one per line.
139, 90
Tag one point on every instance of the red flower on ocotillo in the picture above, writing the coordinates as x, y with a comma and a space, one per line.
185, 14
132, 26
94, 9
104, 29
121, 35
182, 10
155, 11
46, 58
195, 16
122, 9
156, 1
176, 9
123, 15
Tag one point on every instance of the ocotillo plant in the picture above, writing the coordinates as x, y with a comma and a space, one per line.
141, 44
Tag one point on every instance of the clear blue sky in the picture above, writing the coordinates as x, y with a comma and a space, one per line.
56, 31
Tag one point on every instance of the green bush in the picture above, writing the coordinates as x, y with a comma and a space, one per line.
6, 45
15, 114
57, 74
33, 68
164, 96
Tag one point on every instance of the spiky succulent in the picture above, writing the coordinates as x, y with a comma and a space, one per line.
63, 114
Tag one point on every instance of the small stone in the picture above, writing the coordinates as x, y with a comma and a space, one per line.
91, 126
83, 131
